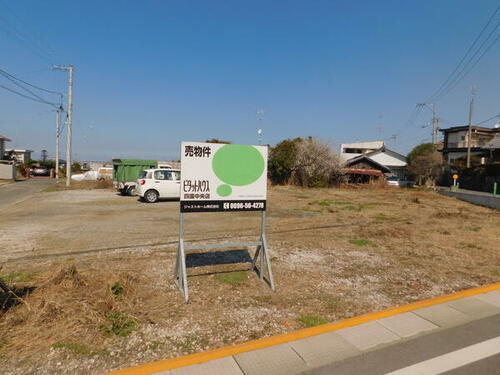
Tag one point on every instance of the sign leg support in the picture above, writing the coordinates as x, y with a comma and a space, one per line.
180, 273
262, 255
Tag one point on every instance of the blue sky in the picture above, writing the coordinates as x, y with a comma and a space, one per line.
150, 74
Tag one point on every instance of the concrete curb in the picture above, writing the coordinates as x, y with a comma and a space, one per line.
195, 358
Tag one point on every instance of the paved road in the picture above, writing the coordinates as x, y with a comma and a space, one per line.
20, 190
475, 197
472, 348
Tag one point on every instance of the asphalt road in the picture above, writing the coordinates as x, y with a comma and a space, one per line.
21, 190
467, 344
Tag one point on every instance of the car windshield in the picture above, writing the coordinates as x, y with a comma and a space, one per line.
393, 178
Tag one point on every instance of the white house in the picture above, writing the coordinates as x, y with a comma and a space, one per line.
352, 150
19, 155
364, 158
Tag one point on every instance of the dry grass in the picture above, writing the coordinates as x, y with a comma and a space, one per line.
93, 312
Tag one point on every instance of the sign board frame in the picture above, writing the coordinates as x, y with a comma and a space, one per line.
244, 169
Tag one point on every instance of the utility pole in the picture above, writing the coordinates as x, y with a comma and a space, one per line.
434, 124
69, 68
58, 130
434, 120
469, 133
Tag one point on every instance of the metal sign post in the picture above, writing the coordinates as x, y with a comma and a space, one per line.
239, 173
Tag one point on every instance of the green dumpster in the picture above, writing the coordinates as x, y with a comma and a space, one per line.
126, 172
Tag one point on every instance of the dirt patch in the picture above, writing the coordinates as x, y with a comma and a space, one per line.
110, 301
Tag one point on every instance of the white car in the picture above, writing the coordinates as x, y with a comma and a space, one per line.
393, 181
154, 184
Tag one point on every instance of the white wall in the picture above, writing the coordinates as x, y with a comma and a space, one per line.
7, 171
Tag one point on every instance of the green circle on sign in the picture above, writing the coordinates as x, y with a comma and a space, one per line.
238, 164
224, 190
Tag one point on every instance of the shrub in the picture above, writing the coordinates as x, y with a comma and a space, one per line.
317, 165
282, 160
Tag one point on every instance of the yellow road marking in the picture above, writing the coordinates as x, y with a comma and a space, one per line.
191, 359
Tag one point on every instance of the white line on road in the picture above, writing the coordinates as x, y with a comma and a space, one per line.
452, 360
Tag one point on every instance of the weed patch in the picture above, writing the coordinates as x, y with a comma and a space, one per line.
18, 277
119, 324
383, 217
73, 347
117, 288
360, 242
468, 245
311, 321
232, 278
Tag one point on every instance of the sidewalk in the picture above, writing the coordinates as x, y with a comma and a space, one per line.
479, 198
308, 349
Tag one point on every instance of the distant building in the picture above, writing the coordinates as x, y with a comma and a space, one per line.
377, 163
18, 155
352, 150
3, 140
482, 142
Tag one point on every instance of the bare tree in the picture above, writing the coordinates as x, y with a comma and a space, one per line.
426, 167
316, 164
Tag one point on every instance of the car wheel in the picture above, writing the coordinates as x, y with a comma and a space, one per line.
151, 196
131, 190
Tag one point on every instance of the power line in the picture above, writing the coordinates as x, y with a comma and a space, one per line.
40, 99
475, 63
435, 94
491, 118
12, 31
30, 84
24, 96
42, 44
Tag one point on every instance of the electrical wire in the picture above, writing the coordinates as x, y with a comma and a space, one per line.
471, 47
30, 84
37, 40
40, 99
475, 63
491, 118
24, 96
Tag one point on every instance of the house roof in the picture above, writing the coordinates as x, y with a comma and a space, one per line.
365, 157
17, 150
387, 151
466, 127
4, 138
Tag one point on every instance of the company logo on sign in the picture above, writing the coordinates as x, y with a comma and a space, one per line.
234, 176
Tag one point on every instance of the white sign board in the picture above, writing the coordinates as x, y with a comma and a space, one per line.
223, 177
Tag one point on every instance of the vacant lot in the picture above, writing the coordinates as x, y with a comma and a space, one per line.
98, 268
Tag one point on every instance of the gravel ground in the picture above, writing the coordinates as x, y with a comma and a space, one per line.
336, 253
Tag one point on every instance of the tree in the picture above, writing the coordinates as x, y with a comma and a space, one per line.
282, 160
76, 167
316, 164
425, 162
215, 140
